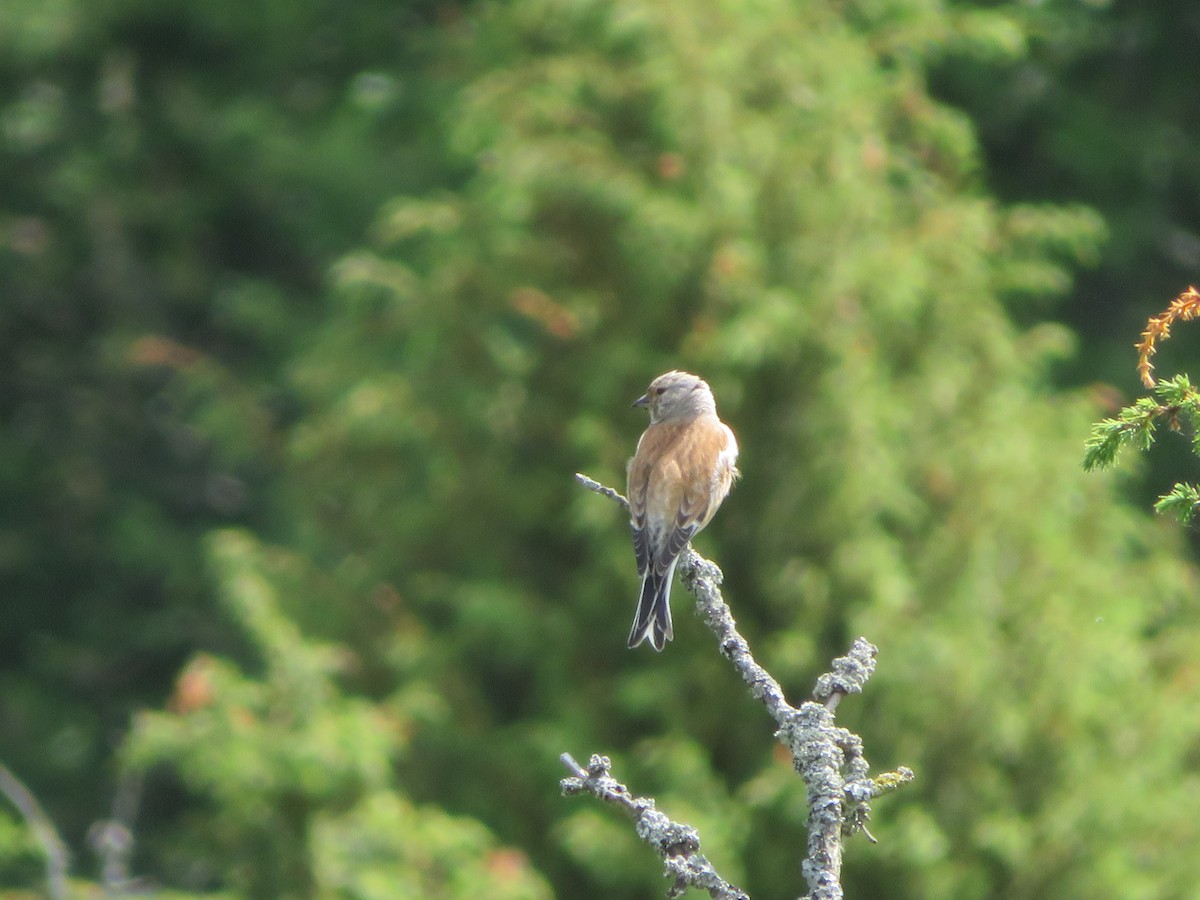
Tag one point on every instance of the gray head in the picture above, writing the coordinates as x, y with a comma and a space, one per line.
677, 395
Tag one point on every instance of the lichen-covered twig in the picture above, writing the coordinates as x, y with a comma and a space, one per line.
678, 845
828, 758
593, 485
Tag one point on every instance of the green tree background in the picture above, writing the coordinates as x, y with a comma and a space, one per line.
310, 311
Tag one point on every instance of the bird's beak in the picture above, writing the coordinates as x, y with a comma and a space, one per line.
643, 400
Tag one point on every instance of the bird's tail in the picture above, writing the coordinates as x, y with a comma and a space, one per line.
653, 618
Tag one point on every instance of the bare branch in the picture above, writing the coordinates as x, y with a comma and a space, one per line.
850, 673
596, 486
57, 857
702, 578
828, 758
678, 845
112, 840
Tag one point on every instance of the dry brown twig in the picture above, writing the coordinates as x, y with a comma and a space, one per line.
1185, 307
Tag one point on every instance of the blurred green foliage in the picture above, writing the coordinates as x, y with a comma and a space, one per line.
1097, 109
311, 312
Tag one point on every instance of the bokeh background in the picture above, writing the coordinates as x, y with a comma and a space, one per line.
309, 311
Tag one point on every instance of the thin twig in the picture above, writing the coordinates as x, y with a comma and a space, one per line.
113, 839
593, 485
57, 856
677, 844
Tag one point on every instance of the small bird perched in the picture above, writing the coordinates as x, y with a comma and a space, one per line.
682, 470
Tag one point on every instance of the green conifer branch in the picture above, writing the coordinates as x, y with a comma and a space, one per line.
1175, 403
1134, 426
1182, 501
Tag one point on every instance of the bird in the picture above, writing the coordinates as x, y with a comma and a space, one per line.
683, 468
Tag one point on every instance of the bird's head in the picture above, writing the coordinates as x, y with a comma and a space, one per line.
677, 395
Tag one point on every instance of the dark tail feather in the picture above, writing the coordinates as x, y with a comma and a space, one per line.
653, 618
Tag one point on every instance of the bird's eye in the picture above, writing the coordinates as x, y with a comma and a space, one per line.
659, 391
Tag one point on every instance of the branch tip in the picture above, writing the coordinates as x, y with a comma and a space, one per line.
1185, 307
592, 485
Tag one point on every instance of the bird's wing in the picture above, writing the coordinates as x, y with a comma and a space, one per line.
638, 490
686, 526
